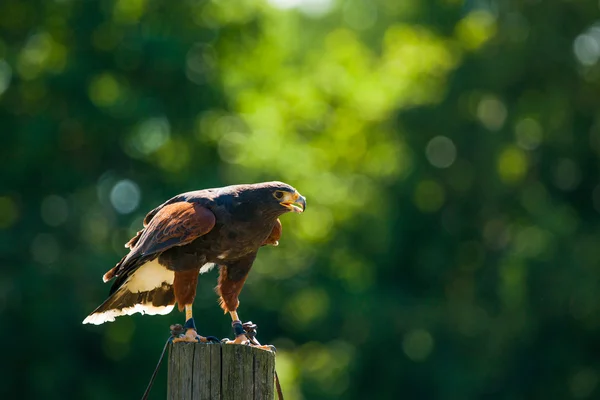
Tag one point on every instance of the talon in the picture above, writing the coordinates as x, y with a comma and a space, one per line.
239, 339
267, 347
243, 340
246, 334
191, 336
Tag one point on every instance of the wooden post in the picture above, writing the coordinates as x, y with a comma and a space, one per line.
199, 371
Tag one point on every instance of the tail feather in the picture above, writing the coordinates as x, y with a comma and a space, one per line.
123, 302
148, 290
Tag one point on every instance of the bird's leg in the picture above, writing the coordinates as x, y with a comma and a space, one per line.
231, 280
190, 334
238, 330
245, 333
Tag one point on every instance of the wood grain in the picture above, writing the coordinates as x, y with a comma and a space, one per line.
199, 371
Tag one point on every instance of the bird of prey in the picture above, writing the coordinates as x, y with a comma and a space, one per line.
188, 235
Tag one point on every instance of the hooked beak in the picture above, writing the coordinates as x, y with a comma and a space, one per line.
295, 202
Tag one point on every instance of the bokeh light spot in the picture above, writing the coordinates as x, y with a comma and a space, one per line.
230, 147
587, 46
151, 135
417, 345
314, 8
307, 306
104, 90
357, 275
529, 133
583, 383
512, 164
327, 365
35, 55
125, 196
441, 152
476, 29
491, 112
317, 224
429, 196
174, 155
128, 11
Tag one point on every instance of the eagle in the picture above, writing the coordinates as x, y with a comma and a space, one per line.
188, 235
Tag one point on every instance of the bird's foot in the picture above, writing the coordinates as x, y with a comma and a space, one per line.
240, 339
191, 336
246, 334
243, 339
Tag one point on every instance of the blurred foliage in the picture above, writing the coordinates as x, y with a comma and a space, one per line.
448, 150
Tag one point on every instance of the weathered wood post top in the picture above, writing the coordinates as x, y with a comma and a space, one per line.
199, 371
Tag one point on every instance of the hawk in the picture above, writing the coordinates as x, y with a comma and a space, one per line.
187, 236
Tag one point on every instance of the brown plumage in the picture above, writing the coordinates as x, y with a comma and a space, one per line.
185, 236
184, 286
275, 234
231, 280
175, 224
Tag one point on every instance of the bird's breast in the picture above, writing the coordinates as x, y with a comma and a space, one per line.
230, 241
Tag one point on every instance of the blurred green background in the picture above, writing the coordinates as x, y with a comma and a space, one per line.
449, 151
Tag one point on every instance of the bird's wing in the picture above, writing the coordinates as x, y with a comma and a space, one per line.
175, 224
148, 218
142, 283
188, 197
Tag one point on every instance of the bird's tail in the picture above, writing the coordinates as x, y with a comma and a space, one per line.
148, 290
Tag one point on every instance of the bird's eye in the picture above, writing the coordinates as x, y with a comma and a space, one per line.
278, 195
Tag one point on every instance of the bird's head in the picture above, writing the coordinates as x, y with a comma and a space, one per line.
274, 197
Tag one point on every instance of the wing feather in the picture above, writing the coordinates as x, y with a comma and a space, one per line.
175, 224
